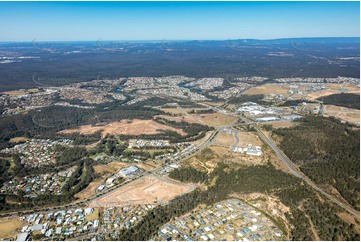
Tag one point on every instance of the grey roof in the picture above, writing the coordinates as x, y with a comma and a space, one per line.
128, 170
22, 237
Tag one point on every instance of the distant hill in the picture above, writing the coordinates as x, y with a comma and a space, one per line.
59, 63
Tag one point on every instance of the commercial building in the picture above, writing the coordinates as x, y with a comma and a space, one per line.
267, 119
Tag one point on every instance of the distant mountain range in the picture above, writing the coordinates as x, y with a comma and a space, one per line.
61, 62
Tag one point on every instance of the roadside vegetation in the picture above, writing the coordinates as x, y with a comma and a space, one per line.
328, 152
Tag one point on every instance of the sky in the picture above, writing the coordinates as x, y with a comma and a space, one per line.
77, 21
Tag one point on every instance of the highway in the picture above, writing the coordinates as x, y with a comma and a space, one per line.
297, 173
289, 164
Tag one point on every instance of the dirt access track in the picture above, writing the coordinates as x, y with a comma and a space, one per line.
126, 127
146, 190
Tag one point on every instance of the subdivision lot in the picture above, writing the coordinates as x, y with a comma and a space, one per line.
126, 127
146, 190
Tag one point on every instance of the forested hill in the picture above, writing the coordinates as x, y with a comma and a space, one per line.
328, 152
348, 100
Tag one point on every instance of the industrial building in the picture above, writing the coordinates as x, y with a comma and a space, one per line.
128, 171
291, 117
267, 119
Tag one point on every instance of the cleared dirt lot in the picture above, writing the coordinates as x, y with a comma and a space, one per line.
127, 127
224, 139
268, 89
18, 139
21, 92
282, 124
246, 138
89, 190
346, 114
216, 119
8, 227
146, 190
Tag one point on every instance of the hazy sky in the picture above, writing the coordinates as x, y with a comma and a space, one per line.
25, 21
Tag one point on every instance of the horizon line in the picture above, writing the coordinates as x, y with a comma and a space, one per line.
165, 39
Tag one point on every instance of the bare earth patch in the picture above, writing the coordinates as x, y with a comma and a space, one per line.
282, 124
347, 114
216, 119
348, 218
126, 127
146, 190
18, 139
102, 169
89, 190
246, 138
268, 89
148, 166
8, 227
117, 165
224, 139
21, 92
